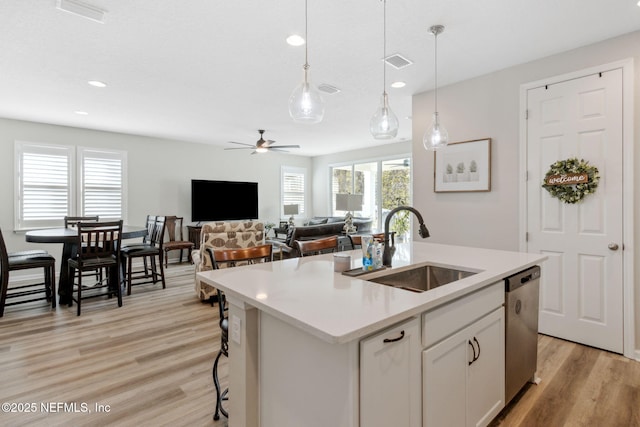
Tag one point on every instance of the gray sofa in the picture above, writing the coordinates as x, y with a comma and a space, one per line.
316, 228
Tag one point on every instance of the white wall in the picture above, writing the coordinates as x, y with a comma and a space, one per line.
488, 106
159, 172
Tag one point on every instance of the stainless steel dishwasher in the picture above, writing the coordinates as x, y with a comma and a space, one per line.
521, 335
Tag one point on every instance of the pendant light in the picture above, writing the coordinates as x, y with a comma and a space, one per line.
436, 136
384, 123
305, 103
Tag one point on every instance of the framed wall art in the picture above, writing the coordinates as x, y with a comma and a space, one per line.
463, 166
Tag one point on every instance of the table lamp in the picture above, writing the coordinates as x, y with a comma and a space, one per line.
291, 210
349, 203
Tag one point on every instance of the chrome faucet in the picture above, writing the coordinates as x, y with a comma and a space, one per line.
389, 247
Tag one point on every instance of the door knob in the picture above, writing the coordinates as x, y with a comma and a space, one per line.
613, 246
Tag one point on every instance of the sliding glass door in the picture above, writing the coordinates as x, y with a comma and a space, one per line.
383, 184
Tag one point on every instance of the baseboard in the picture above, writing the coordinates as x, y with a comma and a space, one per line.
638, 355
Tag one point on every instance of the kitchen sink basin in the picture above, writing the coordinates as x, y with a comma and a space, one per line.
423, 278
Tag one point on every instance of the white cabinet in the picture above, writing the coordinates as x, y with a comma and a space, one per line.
390, 379
463, 375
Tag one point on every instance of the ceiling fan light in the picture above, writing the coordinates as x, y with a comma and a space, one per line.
436, 136
384, 123
261, 150
306, 104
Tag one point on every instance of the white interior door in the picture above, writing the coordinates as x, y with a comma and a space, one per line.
581, 290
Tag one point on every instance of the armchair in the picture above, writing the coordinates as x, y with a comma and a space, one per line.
223, 235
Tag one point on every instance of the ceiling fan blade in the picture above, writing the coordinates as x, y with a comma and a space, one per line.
285, 146
241, 148
241, 143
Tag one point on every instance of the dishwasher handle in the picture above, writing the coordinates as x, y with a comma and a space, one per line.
520, 279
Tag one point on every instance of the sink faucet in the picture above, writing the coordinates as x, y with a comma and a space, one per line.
389, 248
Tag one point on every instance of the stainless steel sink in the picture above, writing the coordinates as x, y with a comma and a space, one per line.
422, 278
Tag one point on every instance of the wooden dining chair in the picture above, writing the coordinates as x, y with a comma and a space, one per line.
150, 249
318, 246
22, 261
97, 246
150, 224
72, 222
173, 225
231, 258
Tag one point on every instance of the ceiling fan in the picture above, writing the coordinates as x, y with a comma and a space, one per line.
261, 145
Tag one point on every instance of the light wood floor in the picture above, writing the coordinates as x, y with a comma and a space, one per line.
151, 360
580, 386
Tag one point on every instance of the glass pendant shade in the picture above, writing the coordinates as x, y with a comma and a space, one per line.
436, 136
305, 103
384, 123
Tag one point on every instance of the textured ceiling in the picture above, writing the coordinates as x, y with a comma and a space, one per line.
211, 72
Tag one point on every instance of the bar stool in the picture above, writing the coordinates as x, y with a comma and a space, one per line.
231, 258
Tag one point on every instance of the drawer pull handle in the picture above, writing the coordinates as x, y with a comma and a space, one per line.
474, 353
473, 347
386, 340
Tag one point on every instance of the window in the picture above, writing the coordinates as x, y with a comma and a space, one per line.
48, 187
101, 183
293, 189
383, 184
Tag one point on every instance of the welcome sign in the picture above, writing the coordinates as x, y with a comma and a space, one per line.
567, 179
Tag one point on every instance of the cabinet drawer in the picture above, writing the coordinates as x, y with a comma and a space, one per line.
441, 322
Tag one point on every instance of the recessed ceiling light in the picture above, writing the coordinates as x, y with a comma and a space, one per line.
97, 83
81, 113
295, 40
638, 3
398, 85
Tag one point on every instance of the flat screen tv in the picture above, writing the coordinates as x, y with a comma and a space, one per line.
223, 200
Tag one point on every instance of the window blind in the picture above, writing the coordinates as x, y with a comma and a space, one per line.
293, 185
102, 191
44, 192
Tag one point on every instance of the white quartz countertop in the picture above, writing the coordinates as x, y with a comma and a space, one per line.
308, 294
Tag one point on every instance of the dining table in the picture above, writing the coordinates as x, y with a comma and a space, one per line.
68, 238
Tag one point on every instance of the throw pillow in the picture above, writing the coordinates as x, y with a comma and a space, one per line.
318, 221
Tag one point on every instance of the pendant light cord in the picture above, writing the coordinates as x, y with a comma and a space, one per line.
384, 46
306, 39
436, 70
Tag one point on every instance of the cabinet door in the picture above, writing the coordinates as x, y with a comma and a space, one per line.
463, 381
485, 380
390, 392
444, 384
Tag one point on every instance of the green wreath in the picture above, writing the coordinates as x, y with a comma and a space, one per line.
572, 193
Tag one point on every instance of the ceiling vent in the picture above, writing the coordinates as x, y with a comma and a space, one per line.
328, 89
82, 9
397, 61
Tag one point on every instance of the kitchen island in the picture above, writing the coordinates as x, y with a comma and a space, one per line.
298, 335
